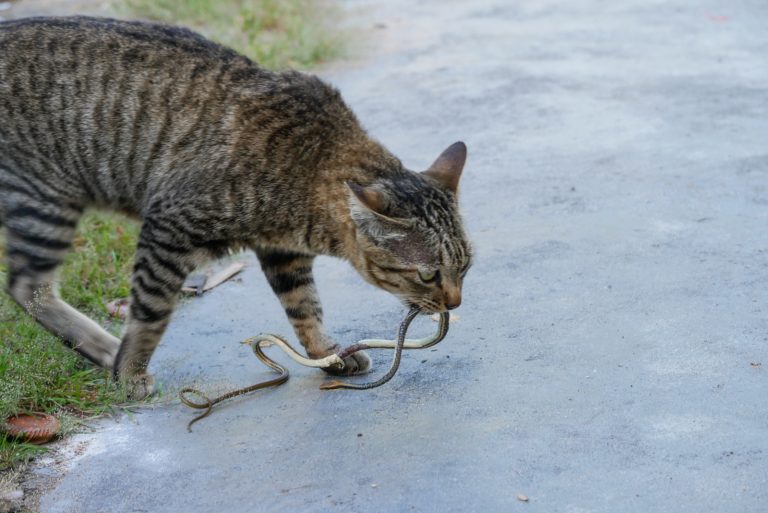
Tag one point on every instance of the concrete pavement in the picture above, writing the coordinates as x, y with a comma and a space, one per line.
612, 349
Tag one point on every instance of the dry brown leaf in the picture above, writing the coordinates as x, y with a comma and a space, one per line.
34, 428
223, 275
199, 283
194, 284
119, 308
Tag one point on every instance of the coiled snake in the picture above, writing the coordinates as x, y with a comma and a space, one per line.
335, 361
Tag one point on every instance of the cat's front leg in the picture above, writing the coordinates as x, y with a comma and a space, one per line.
290, 276
163, 260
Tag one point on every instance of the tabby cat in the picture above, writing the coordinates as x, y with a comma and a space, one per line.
212, 153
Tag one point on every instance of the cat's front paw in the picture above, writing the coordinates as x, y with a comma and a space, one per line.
139, 386
358, 363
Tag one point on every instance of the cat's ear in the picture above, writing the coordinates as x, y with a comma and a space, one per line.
446, 170
368, 206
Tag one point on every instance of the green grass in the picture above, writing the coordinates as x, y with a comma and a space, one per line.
99, 268
37, 372
274, 33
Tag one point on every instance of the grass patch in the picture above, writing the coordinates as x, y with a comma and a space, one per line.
275, 33
37, 372
100, 267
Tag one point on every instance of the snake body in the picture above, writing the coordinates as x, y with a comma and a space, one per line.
336, 360
400, 344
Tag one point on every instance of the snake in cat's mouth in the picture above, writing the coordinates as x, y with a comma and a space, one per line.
336, 360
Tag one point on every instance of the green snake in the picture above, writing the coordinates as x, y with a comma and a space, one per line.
335, 361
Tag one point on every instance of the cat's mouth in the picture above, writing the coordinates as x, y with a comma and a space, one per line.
424, 307
411, 304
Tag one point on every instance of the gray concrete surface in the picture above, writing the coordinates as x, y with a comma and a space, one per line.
616, 191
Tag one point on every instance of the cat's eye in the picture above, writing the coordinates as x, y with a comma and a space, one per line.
427, 276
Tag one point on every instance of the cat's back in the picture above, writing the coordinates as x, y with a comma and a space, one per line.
44, 56
120, 108
44, 38
112, 104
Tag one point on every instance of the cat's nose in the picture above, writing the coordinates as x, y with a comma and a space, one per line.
452, 298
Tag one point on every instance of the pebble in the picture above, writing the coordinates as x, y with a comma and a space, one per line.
13, 495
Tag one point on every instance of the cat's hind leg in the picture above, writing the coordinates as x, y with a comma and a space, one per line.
39, 235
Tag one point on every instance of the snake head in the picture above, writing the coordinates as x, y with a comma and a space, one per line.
332, 385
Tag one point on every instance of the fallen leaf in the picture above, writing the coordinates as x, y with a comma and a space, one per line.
119, 308
194, 284
755, 364
719, 18
522, 498
223, 275
34, 428
198, 283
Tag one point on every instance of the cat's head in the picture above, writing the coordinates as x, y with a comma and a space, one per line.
410, 234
